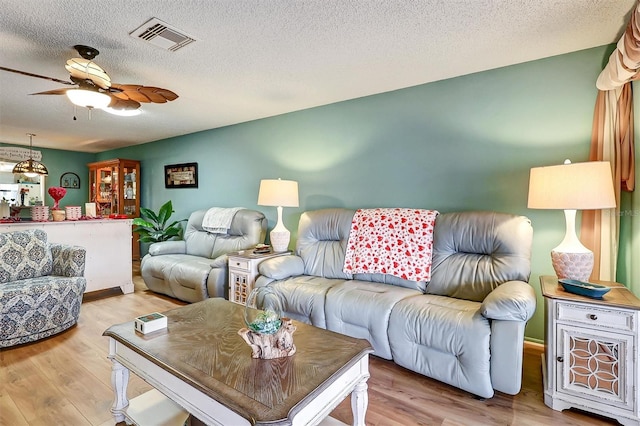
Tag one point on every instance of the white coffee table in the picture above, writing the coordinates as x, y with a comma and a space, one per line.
200, 365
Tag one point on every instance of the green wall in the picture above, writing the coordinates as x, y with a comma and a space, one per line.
466, 143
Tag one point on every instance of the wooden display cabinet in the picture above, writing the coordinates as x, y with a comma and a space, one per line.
114, 185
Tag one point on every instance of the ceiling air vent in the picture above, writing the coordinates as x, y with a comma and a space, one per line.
162, 35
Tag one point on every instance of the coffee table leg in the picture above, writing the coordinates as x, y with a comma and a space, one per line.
119, 382
359, 402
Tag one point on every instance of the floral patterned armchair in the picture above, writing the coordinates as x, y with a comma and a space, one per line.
41, 286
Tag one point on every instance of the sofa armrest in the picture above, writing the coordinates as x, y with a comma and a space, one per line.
282, 267
68, 261
511, 301
220, 262
262, 281
168, 247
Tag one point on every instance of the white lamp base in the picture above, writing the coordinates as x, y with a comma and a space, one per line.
574, 266
280, 240
280, 236
571, 259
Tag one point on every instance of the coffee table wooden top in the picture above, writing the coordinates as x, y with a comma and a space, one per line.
201, 347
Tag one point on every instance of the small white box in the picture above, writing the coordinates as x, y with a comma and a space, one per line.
150, 322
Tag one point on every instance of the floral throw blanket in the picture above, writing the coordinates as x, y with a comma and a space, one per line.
391, 241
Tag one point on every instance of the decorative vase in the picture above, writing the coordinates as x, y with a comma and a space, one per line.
57, 193
58, 215
263, 311
268, 334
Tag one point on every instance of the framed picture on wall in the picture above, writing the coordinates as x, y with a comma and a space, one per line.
70, 180
181, 175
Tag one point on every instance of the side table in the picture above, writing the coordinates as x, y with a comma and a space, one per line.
243, 271
591, 351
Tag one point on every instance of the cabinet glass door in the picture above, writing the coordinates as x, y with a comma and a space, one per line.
130, 190
104, 187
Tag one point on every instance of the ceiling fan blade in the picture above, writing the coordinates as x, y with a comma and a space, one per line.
144, 94
85, 69
37, 76
52, 92
124, 104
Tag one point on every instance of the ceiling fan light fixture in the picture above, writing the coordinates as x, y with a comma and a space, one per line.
30, 167
88, 98
123, 112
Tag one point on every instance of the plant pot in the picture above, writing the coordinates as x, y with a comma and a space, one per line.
58, 215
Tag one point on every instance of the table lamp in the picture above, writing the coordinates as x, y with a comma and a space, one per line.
571, 187
280, 193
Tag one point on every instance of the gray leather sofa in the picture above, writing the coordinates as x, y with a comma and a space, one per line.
195, 268
464, 327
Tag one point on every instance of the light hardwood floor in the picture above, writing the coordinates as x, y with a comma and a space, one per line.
66, 380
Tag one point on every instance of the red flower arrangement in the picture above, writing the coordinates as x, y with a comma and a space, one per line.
57, 193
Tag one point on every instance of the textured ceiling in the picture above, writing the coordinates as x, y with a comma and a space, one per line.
259, 58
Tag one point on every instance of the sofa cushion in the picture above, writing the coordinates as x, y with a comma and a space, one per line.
24, 254
444, 338
362, 309
391, 280
303, 298
180, 272
474, 252
322, 242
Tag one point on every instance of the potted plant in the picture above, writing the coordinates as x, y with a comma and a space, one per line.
152, 227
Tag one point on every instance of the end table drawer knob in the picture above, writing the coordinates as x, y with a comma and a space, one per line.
593, 317
240, 264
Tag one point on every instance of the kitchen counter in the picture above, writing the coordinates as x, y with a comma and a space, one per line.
107, 242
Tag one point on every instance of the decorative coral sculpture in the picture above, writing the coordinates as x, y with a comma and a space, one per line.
57, 193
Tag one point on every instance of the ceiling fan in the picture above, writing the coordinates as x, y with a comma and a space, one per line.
94, 89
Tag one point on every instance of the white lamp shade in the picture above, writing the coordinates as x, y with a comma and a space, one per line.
574, 186
88, 98
277, 192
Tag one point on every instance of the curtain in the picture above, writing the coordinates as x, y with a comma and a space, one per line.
612, 140
629, 249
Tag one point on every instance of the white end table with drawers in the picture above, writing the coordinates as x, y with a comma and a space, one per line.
243, 271
591, 351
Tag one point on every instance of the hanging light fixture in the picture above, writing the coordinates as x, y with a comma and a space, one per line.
30, 167
122, 112
88, 98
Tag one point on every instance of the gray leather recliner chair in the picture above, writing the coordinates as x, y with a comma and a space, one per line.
195, 268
